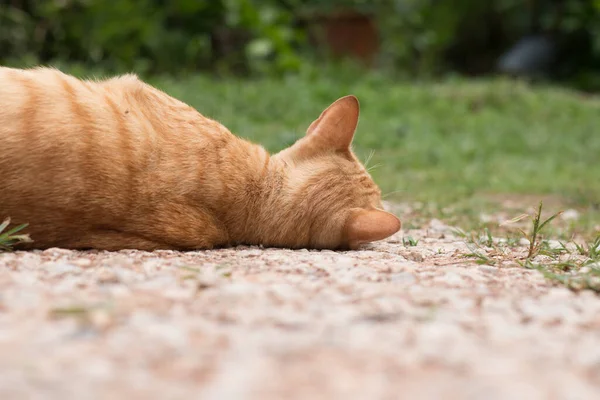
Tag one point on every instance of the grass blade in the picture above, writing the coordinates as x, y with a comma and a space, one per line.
9, 238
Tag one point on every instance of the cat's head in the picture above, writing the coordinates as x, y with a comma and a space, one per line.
330, 188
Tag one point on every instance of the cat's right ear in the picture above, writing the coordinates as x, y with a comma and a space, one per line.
332, 131
335, 127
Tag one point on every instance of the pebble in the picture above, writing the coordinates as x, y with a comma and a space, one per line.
524, 242
54, 251
55, 269
82, 262
488, 269
438, 226
366, 324
415, 256
107, 275
403, 277
450, 278
570, 215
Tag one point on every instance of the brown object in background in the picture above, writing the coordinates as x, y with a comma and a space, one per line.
345, 34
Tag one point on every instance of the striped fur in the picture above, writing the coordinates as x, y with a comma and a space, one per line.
119, 164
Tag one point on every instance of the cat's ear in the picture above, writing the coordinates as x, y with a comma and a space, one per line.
335, 127
364, 226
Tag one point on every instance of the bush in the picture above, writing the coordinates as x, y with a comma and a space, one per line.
431, 36
149, 35
155, 36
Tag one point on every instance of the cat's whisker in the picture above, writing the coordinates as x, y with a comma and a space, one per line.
375, 166
370, 156
391, 193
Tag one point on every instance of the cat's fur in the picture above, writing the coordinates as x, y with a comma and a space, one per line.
119, 164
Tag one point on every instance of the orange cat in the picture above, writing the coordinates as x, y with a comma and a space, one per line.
119, 164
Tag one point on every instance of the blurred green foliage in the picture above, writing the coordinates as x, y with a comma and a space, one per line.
429, 36
148, 35
154, 36
453, 142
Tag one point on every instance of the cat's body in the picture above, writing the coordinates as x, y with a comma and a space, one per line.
118, 164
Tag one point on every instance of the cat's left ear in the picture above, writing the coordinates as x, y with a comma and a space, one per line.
335, 128
364, 226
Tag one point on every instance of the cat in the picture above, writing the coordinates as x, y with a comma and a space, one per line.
118, 164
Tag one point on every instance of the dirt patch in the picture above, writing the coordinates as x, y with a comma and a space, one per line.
258, 323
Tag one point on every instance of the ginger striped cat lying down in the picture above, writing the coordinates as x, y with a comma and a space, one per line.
118, 164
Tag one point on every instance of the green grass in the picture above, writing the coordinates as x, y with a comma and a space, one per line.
409, 241
441, 143
458, 146
573, 264
11, 236
534, 235
456, 142
456, 137
453, 149
433, 141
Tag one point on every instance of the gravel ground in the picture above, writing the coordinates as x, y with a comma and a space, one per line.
385, 322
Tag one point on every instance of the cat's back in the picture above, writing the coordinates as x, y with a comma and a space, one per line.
75, 153
42, 102
56, 128
106, 164
24, 92
43, 108
73, 144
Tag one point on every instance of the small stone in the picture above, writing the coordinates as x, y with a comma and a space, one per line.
587, 269
55, 251
251, 253
327, 252
101, 319
554, 244
488, 269
452, 279
414, 256
82, 262
204, 283
101, 369
107, 276
570, 215
437, 225
485, 217
58, 269
403, 277
345, 262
